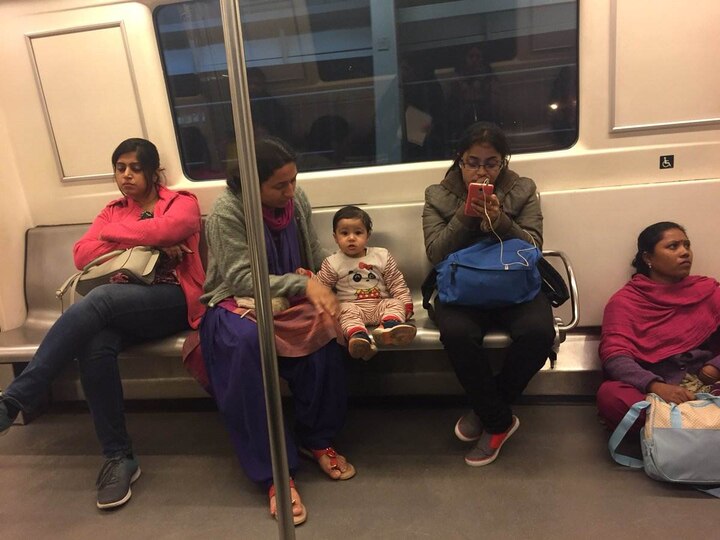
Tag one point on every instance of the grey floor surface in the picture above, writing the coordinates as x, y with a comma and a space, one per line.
553, 479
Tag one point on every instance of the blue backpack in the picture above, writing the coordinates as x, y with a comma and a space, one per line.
488, 274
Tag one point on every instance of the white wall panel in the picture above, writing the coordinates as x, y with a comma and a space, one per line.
89, 93
665, 70
598, 229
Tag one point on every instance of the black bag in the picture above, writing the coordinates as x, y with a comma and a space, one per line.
553, 285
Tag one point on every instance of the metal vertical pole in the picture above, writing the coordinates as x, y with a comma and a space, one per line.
242, 120
385, 82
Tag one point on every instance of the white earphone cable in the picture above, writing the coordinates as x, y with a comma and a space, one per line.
525, 262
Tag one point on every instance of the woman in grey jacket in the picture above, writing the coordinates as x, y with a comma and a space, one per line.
309, 358
512, 211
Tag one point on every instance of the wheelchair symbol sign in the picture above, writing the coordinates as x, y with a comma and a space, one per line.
667, 162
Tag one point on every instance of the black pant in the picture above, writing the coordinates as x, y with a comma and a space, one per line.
462, 330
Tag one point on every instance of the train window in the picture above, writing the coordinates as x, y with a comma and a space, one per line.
361, 82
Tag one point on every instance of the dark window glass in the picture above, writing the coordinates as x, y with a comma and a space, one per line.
354, 83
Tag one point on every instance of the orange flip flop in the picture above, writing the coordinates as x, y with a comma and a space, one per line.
333, 455
301, 517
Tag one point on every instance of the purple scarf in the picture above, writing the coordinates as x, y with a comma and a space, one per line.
281, 239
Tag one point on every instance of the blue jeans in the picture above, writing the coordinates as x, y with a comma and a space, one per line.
95, 330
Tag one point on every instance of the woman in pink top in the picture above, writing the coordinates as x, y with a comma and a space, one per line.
110, 317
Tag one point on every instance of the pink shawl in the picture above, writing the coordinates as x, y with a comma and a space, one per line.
299, 330
651, 321
278, 219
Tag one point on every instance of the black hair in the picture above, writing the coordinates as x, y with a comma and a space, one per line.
327, 131
271, 153
648, 239
147, 156
482, 133
353, 212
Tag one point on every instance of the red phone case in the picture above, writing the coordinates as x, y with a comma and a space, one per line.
474, 189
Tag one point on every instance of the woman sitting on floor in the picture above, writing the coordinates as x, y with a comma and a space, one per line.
660, 331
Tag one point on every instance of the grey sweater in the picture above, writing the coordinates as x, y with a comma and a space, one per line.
447, 228
229, 272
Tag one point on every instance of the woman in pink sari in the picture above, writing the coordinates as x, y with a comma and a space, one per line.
660, 331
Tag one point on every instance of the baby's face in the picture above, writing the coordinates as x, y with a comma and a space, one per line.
351, 237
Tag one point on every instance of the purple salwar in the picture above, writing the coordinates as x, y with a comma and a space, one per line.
231, 352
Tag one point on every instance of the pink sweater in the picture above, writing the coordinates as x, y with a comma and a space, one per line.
176, 219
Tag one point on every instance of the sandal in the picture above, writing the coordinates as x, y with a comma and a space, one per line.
297, 519
333, 455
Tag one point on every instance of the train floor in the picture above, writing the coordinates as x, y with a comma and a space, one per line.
553, 479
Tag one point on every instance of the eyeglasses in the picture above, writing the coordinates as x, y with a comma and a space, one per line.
473, 164
134, 167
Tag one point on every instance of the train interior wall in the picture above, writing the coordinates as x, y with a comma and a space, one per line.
647, 87
596, 195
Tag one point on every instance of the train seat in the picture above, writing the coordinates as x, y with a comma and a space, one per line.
406, 243
153, 370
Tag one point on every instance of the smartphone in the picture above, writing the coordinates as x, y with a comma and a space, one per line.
474, 189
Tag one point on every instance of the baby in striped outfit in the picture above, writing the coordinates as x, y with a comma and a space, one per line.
369, 285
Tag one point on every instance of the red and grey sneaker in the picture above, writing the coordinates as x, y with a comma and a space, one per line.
488, 447
469, 427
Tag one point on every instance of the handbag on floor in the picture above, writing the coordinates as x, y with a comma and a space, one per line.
679, 442
488, 274
137, 264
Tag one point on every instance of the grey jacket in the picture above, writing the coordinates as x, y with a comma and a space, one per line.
447, 228
228, 272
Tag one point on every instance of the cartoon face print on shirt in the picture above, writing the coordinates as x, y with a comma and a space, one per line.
364, 281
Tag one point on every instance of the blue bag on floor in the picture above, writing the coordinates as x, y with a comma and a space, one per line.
490, 274
679, 442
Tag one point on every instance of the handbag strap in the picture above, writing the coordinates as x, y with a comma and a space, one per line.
428, 288
619, 434
708, 397
72, 281
103, 258
60, 292
553, 285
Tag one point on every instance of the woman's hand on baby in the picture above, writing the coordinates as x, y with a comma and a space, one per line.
176, 252
322, 297
671, 393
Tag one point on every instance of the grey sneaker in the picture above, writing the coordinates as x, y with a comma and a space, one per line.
113, 483
469, 427
5, 420
488, 446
